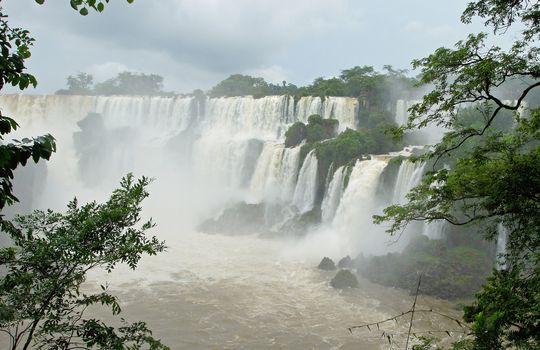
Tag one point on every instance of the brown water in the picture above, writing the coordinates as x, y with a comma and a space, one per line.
219, 292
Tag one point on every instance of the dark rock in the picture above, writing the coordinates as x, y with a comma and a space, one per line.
345, 263
240, 219
327, 264
344, 279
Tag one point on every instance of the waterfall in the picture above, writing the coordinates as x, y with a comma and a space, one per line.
409, 176
163, 117
360, 192
353, 221
275, 174
306, 186
343, 109
402, 110
434, 229
233, 143
502, 240
263, 118
307, 106
333, 194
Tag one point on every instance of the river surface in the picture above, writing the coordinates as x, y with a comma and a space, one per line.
222, 292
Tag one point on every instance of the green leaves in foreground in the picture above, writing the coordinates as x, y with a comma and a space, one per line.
41, 301
83, 6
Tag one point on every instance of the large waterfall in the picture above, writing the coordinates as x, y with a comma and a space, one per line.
333, 194
220, 148
306, 186
208, 156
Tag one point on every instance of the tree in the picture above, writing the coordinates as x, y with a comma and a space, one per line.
240, 85
492, 177
80, 84
41, 301
128, 83
15, 46
15, 49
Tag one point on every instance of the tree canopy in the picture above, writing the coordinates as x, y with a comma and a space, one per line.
484, 176
41, 300
42, 304
125, 83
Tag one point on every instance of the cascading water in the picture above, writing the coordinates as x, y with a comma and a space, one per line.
352, 230
306, 186
333, 195
307, 106
502, 240
343, 109
353, 217
409, 176
275, 175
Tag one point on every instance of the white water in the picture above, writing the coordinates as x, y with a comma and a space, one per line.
333, 195
409, 176
306, 186
275, 175
352, 230
502, 240
343, 109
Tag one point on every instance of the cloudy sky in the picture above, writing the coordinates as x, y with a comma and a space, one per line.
196, 43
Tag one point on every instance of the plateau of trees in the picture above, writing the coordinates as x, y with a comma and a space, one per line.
363, 82
492, 177
125, 83
42, 304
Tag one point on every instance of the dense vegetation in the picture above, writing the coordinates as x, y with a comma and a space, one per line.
448, 272
364, 82
41, 302
495, 177
125, 83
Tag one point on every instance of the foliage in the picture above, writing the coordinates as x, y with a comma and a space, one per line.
125, 83
430, 343
15, 46
241, 85
494, 177
295, 134
41, 301
80, 84
448, 272
373, 88
84, 6
319, 129
128, 83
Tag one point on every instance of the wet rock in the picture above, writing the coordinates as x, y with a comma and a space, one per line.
327, 264
344, 279
345, 263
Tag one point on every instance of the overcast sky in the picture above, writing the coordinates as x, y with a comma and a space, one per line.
197, 43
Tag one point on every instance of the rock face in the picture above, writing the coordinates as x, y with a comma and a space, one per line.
345, 263
327, 264
344, 279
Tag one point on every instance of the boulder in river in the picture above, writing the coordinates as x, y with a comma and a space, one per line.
345, 263
327, 264
344, 279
